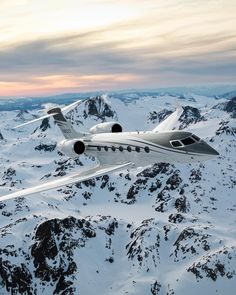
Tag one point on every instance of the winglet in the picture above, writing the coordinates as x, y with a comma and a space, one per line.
169, 123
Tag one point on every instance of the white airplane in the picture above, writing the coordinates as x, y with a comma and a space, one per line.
116, 150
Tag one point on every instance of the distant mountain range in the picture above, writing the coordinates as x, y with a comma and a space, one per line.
32, 103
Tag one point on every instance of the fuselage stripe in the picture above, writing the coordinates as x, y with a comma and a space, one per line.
169, 150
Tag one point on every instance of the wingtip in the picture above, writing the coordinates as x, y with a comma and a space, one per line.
177, 105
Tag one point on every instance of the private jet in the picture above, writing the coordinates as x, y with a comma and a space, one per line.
117, 150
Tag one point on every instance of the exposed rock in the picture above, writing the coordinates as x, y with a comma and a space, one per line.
55, 240
191, 241
17, 279
230, 107
182, 205
195, 176
174, 180
176, 218
45, 147
146, 254
190, 115
226, 128
44, 125
158, 168
155, 288
155, 117
214, 265
9, 176
98, 108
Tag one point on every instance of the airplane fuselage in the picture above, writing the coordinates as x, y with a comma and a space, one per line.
117, 150
144, 148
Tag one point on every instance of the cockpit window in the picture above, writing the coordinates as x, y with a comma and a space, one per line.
195, 137
176, 143
187, 141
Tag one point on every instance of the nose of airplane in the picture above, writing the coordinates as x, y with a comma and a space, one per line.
207, 149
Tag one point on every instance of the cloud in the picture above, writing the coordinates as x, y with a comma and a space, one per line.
68, 54
91, 53
148, 52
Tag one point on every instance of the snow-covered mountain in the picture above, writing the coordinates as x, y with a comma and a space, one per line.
159, 230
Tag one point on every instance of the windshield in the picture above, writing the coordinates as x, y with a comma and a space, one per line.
186, 141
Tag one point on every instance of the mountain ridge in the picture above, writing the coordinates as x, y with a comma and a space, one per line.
156, 230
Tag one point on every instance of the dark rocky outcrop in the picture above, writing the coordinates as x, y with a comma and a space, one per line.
155, 288
190, 115
215, 265
145, 254
97, 107
191, 241
1, 136
44, 125
225, 128
56, 240
45, 147
156, 117
16, 279
230, 107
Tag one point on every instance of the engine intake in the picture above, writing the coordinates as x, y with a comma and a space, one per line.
79, 147
106, 127
72, 148
116, 128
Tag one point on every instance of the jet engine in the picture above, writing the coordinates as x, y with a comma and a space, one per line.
72, 148
106, 127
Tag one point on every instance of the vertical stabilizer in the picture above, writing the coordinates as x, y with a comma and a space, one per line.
66, 128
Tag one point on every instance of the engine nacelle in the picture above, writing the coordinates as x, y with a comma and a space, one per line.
106, 127
72, 147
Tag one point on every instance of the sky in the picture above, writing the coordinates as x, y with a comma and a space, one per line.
61, 46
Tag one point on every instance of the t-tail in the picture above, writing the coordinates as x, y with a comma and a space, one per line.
66, 127
58, 115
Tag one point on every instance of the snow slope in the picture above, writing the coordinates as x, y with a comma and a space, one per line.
165, 229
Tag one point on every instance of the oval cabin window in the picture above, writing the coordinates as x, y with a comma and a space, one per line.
129, 149
147, 149
137, 149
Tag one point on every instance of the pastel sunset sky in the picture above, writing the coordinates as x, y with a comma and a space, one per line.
58, 46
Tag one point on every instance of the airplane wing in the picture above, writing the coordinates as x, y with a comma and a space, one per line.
66, 180
169, 123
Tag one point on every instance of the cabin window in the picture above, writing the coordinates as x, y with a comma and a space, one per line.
137, 149
176, 143
195, 137
98, 148
113, 148
147, 149
129, 149
106, 148
121, 148
187, 141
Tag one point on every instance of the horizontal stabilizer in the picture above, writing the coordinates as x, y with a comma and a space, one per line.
64, 110
67, 180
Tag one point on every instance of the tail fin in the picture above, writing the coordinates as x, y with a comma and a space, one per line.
66, 128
